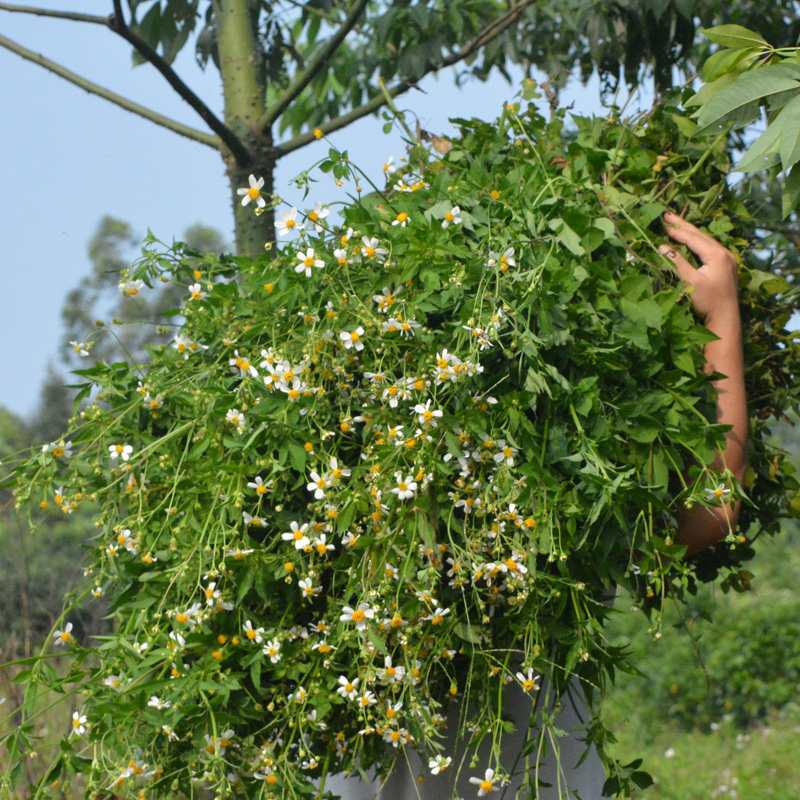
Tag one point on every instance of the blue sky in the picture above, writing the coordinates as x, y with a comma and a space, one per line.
70, 157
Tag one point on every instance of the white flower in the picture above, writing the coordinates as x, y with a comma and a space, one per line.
241, 366
258, 484
123, 451
251, 633
717, 494
504, 261
297, 535
78, 724
319, 484
157, 702
401, 219
114, 682
341, 256
272, 649
237, 419
64, 636
358, 615
307, 261
307, 587
439, 764
288, 222
405, 488
353, 338
426, 416
59, 450
451, 217
529, 681
347, 688
485, 784
392, 674
317, 214
389, 166
130, 288
367, 699
80, 348
253, 192
371, 249
669, 752
196, 292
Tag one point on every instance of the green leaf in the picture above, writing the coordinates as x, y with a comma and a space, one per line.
791, 192
734, 36
722, 62
567, 236
790, 139
763, 153
646, 312
735, 103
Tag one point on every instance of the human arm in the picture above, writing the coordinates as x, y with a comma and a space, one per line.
714, 299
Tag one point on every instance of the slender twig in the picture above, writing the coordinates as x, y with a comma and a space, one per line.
116, 22
106, 94
486, 35
46, 12
320, 60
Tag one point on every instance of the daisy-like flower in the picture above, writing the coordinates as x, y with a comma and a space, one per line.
114, 682
347, 688
717, 494
237, 419
451, 217
272, 649
59, 450
386, 299
317, 214
64, 636
401, 219
196, 292
156, 702
485, 784
123, 451
367, 699
371, 249
253, 192
529, 681
241, 366
425, 415
297, 534
358, 615
321, 545
307, 261
288, 222
340, 255
390, 673
307, 587
405, 486
319, 485
505, 453
439, 764
185, 346
252, 634
502, 262
130, 288
353, 338
389, 168
78, 723
80, 348
258, 484
337, 472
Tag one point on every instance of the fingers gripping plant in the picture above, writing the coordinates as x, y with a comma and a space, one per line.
394, 466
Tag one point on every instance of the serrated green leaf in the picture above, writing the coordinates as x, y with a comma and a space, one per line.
567, 236
738, 101
734, 36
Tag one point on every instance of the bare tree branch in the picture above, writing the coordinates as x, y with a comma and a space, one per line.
304, 77
490, 32
116, 22
46, 12
100, 91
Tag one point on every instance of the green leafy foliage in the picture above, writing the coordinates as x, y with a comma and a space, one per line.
418, 452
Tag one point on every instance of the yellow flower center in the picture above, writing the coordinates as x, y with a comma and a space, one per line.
348, 687
58, 452
290, 223
119, 448
370, 251
313, 216
261, 489
324, 648
355, 336
65, 637
402, 216
427, 415
390, 671
253, 193
359, 615
250, 633
308, 262
402, 486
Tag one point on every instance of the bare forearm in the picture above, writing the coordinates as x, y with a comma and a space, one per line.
702, 527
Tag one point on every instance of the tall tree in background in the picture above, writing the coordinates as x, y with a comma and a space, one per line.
289, 68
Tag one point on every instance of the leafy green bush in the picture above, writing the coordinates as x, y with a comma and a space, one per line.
402, 463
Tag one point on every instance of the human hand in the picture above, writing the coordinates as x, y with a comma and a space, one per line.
715, 284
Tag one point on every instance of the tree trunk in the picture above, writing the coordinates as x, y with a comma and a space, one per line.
243, 87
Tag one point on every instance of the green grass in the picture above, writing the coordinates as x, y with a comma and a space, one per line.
762, 762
